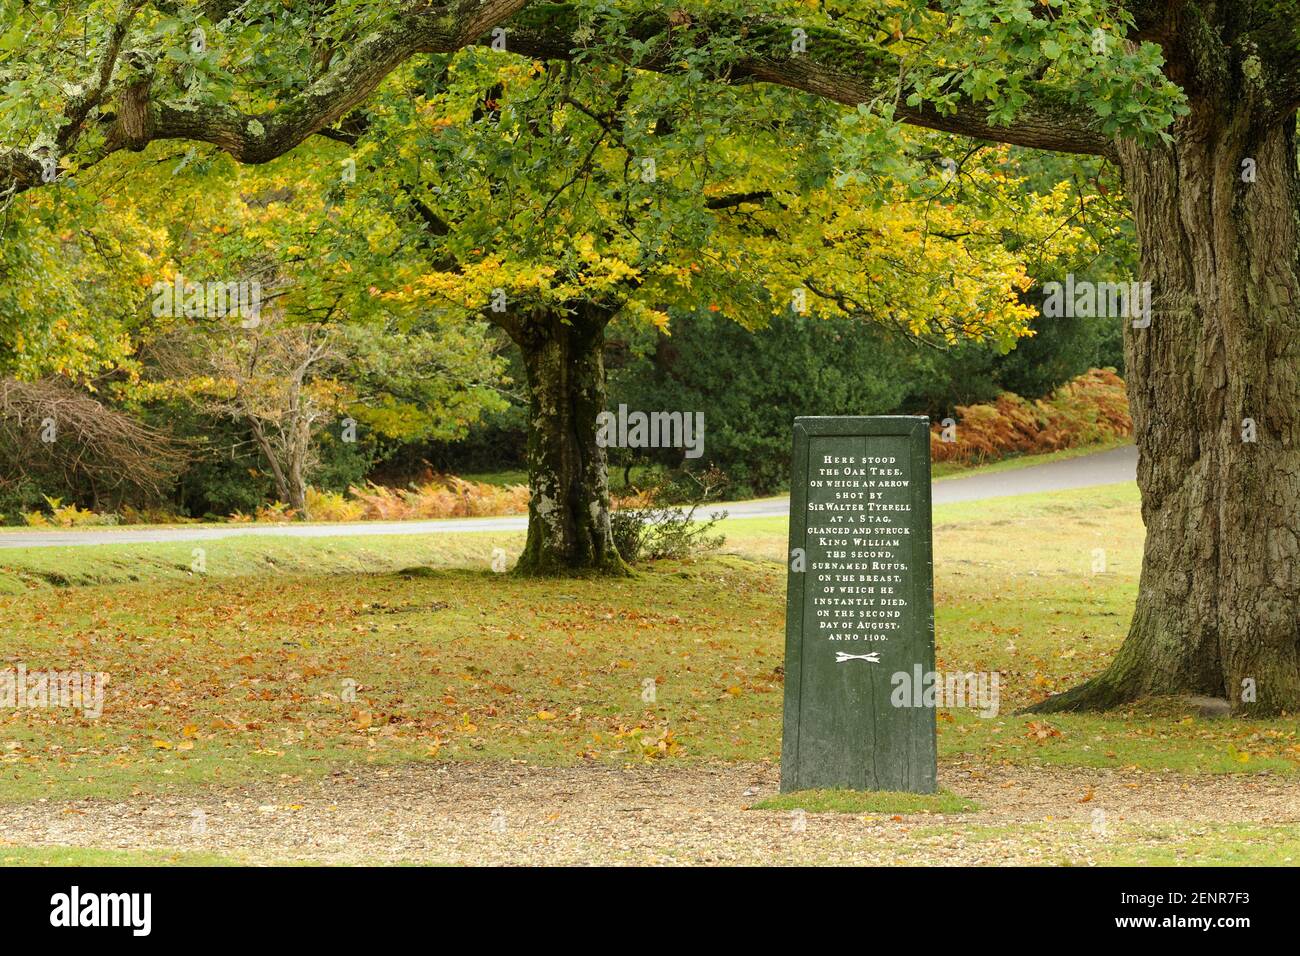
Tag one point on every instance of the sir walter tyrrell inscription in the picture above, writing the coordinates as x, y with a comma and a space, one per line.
860, 606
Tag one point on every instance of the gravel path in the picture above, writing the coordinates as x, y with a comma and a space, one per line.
489, 813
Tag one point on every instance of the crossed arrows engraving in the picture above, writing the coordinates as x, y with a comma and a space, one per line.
841, 657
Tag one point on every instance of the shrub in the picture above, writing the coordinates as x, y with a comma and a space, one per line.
650, 529
154, 514
441, 496
103, 457
333, 506
436, 496
1090, 409
67, 516
277, 512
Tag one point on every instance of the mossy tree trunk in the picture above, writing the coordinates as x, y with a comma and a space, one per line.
1214, 386
569, 508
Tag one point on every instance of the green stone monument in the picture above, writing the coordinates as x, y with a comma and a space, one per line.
859, 606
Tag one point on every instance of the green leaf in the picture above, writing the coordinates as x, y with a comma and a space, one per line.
11, 39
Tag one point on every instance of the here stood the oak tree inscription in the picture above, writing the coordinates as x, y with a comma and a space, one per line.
860, 606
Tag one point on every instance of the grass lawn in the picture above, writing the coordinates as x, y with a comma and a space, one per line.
80, 856
291, 657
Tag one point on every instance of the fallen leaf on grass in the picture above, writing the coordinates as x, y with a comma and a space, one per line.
1041, 731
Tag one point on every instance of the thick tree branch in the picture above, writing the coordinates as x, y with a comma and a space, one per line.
1274, 42
79, 108
258, 138
732, 200
834, 65
20, 170
1244, 49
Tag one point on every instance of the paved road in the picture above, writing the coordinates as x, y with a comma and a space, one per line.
1103, 468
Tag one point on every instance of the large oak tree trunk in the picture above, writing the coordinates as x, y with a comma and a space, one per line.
568, 509
1218, 610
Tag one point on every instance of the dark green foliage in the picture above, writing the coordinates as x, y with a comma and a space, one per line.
226, 475
750, 386
18, 497
938, 380
1060, 349
497, 442
971, 373
342, 464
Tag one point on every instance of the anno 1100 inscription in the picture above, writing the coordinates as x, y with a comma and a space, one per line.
860, 605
